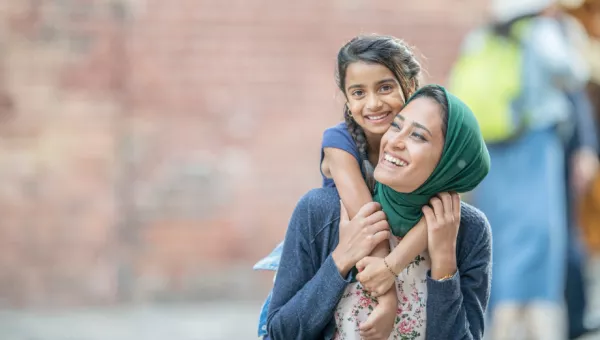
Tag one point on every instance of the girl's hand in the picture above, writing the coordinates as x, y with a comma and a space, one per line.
374, 276
380, 324
443, 221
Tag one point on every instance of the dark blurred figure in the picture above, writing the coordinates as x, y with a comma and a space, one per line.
583, 178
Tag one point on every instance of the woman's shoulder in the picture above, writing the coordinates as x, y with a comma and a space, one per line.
319, 210
474, 228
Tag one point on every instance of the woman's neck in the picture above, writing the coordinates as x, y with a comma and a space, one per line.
373, 143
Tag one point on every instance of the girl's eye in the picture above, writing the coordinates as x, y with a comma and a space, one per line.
386, 88
357, 93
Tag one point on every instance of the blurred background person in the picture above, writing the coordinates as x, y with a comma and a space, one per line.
524, 75
584, 193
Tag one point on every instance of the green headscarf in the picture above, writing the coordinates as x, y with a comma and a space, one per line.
464, 164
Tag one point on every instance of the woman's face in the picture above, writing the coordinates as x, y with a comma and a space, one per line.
374, 96
412, 146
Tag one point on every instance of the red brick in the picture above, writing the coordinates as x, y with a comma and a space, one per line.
173, 142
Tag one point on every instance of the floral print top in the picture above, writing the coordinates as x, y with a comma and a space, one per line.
356, 304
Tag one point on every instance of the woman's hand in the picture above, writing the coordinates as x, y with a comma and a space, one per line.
374, 276
443, 220
359, 236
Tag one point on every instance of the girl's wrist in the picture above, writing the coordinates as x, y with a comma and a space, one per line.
397, 261
390, 266
389, 299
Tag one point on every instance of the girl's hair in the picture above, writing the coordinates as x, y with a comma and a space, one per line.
390, 52
438, 95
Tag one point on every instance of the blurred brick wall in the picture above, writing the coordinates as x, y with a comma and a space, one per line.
153, 150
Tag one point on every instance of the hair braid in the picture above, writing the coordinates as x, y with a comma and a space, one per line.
358, 135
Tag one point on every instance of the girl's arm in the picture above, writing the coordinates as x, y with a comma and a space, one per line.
345, 171
351, 186
413, 244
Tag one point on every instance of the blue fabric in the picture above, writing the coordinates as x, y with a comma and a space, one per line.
309, 285
523, 197
271, 262
338, 137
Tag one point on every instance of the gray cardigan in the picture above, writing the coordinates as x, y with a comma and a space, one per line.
309, 286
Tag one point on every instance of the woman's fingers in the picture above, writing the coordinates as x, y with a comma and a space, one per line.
438, 208
368, 209
382, 225
448, 206
379, 237
456, 205
429, 215
375, 217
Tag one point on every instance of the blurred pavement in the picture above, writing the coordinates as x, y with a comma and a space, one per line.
215, 320
210, 321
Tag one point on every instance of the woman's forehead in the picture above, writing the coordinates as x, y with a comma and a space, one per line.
422, 110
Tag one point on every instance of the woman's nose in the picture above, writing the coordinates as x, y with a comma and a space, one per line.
398, 141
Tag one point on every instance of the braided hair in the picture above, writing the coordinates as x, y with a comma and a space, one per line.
390, 52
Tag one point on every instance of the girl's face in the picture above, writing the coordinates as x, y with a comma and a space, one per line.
374, 96
412, 147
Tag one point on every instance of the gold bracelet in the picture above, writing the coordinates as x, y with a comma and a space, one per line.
444, 278
388, 267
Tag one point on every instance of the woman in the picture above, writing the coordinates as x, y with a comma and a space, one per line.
321, 247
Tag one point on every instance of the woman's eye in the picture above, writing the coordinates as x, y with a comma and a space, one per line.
358, 93
396, 126
419, 136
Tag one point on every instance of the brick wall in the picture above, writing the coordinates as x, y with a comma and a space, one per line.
153, 150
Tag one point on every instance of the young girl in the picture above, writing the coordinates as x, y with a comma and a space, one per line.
376, 74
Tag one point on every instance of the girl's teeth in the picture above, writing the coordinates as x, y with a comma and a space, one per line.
376, 117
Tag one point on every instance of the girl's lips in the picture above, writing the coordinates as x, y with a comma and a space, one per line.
378, 118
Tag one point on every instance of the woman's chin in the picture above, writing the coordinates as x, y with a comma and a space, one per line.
386, 177
393, 179
379, 176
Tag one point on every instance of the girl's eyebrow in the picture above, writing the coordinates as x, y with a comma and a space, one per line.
386, 80
355, 86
